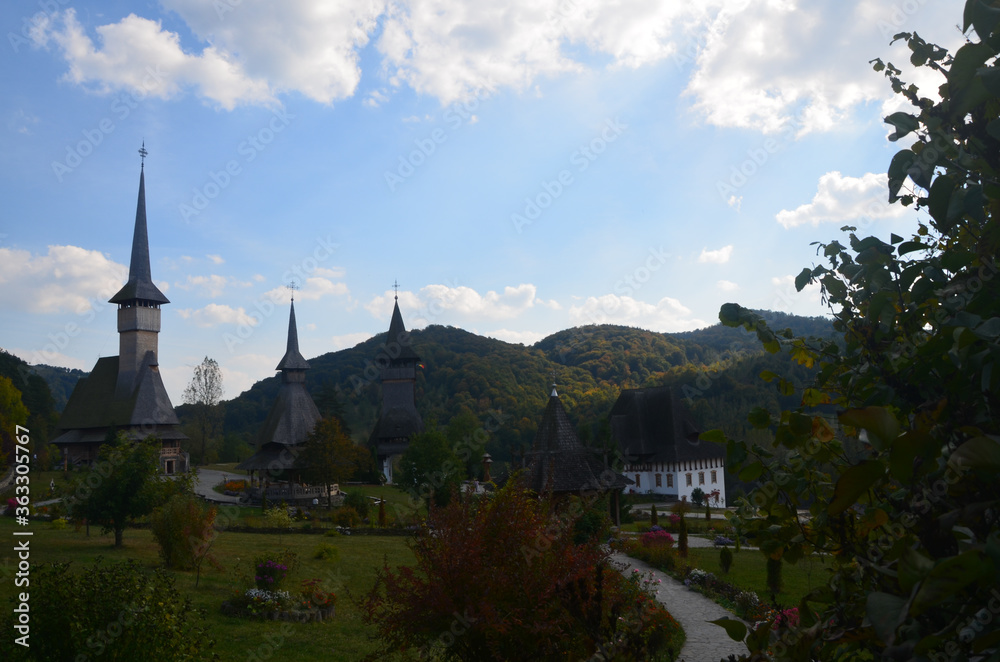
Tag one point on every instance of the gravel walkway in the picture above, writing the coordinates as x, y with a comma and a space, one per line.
705, 642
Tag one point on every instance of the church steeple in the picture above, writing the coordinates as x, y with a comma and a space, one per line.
140, 279
292, 360
138, 302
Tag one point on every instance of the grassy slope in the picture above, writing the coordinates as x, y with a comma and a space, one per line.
343, 638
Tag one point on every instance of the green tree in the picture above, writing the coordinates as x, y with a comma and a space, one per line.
430, 468
330, 457
204, 393
12, 413
122, 485
903, 499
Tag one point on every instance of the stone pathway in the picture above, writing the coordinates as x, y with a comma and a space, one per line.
209, 478
705, 642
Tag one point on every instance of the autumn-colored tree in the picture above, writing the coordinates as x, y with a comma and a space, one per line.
12, 413
330, 457
500, 578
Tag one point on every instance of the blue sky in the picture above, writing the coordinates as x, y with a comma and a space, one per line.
521, 169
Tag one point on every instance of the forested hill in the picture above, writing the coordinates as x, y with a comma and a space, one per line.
716, 368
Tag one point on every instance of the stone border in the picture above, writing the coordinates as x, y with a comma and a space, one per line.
295, 616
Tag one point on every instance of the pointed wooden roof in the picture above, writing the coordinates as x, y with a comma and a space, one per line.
94, 406
652, 425
399, 335
292, 360
140, 279
558, 462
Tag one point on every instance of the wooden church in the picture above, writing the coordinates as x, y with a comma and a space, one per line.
399, 419
288, 425
125, 392
659, 441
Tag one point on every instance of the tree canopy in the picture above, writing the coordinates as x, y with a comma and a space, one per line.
123, 485
901, 487
329, 456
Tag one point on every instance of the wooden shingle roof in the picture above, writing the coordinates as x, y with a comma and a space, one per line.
559, 463
653, 425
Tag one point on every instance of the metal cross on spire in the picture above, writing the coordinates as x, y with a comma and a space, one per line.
292, 287
142, 155
395, 288
554, 382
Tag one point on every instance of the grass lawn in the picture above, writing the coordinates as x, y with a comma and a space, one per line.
345, 637
749, 571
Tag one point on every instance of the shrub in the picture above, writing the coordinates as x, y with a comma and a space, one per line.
271, 570
107, 611
383, 520
592, 525
59, 523
656, 539
697, 496
359, 502
313, 596
183, 527
708, 511
326, 552
277, 518
347, 516
654, 519
682, 538
725, 559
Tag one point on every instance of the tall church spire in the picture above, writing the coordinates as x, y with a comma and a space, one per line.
292, 360
140, 279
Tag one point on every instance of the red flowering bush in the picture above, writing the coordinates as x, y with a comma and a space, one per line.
657, 539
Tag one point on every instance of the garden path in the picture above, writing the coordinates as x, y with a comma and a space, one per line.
209, 478
705, 642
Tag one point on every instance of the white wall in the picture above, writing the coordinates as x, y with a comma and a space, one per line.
647, 479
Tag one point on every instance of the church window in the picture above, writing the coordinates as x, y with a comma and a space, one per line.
714, 478
658, 480
701, 477
670, 480
687, 479
638, 483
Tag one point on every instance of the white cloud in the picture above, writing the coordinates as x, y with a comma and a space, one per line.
215, 314
667, 315
348, 340
452, 53
314, 288
840, 199
138, 55
253, 51
67, 278
436, 303
526, 338
49, 355
720, 256
216, 259
792, 66
22, 122
786, 298
727, 286
210, 286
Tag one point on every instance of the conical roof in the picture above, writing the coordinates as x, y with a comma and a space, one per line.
399, 335
140, 280
292, 360
558, 462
